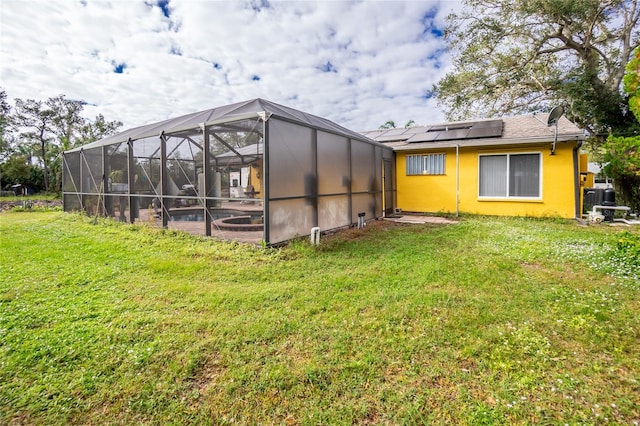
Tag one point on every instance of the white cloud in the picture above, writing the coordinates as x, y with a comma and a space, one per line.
357, 63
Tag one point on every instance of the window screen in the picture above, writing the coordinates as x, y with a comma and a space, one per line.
493, 176
510, 175
524, 175
430, 164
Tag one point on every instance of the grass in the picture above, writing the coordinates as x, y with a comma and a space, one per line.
489, 321
34, 197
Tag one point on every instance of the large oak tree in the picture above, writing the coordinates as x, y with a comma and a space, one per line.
519, 56
632, 83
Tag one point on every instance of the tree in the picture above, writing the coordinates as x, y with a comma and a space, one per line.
72, 130
5, 138
18, 169
98, 129
5, 114
409, 124
389, 124
622, 163
66, 121
632, 83
54, 126
66, 126
622, 154
35, 122
519, 56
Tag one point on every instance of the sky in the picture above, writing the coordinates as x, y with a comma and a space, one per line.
357, 63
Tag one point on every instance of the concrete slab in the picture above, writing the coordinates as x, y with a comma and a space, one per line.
421, 219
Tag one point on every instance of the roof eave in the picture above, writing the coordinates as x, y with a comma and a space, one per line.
485, 142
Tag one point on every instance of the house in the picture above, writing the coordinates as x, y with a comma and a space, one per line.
261, 172
511, 166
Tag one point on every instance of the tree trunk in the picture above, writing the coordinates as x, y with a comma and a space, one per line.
43, 151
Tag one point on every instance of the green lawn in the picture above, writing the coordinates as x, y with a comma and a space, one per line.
489, 321
35, 197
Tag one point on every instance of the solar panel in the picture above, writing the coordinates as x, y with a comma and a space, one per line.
394, 132
424, 137
387, 137
486, 132
486, 129
417, 129
459, 131
450, 134
487, 123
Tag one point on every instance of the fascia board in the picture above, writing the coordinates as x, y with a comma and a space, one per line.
486, 142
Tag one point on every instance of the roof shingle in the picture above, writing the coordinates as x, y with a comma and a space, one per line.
516, 129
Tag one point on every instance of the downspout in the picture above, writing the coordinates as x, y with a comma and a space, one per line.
457, 179
576, 179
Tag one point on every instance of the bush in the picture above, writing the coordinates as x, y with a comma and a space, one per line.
622, 158
629, 248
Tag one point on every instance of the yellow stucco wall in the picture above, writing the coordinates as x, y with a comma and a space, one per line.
587, 177
255, 178
437, 193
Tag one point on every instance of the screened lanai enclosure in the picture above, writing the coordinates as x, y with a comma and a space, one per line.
254, 171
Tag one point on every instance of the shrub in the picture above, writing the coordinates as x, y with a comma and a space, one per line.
629, 248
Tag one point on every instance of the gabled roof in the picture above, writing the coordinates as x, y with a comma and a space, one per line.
242, 110
524, 129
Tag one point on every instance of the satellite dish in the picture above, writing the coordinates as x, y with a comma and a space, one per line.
554, 117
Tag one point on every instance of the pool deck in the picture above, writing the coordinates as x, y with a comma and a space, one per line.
197, 227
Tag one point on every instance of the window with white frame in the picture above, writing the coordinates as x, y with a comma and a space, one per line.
429, 164
510, 175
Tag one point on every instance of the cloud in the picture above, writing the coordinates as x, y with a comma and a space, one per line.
358, 63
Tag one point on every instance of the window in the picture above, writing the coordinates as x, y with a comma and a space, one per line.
430, 164
510, 175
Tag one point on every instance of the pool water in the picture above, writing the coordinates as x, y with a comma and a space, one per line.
198, 215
